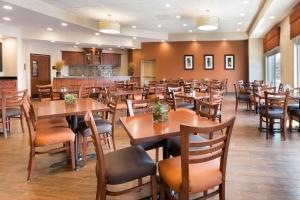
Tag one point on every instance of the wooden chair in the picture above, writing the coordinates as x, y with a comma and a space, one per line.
174, 102
120, 166
280, 88
293, 109
171, 100
197, 170
10, 109
105, 127
45, 92
84, 92
119, 85
138, 107
241, 97
275, 109
46, 137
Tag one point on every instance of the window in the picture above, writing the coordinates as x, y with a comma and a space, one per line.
273, 69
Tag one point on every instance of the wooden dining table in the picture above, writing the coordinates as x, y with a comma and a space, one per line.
141, 128
50, 109
192, 96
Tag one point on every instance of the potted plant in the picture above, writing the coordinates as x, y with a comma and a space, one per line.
131, 68
70, 98
160, 112
58, 67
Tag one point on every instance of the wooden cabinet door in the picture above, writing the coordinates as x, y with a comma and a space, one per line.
111, 59
73, 58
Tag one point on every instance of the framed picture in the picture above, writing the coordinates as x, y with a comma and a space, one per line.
189, 62
229, 62
209, 62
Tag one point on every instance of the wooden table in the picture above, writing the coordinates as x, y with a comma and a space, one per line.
63, 92
141, 128
190, 96
48, 109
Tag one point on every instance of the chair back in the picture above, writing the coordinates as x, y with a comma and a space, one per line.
112, 103
45, 92
119, 85
212, 149
280, 88
27, 111
137, 107
276, 100
84, 92
94, 92
90, 122
206, 109
170, 99
145, 92
175, 89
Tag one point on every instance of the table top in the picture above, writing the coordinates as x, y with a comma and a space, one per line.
292, 95
125, 93
197, 96
59, 108
141, 128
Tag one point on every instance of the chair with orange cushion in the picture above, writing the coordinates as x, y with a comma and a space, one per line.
201, 166
46, 137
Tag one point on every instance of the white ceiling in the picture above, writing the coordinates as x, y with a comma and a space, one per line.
147, 14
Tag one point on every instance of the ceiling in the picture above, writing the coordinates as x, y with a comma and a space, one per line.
238, 19
148, 14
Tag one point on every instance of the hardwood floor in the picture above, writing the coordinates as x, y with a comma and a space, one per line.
257, 168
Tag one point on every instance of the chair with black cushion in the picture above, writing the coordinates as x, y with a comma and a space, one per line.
241, 96
121, 166
293, 109
201, 168
138, 107
179, 103
105, 127
10, 108
275, 109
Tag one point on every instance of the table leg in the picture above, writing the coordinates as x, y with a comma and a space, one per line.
74, 122
165, 150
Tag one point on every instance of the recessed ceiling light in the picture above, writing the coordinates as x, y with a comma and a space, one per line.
194, 40
190, 31
240, 23
178, 17
159, 25
134, 38
97, 34
7, 7
168, 5
77, 43
119, 46
185, 25
110, 49
49, 29
260, 31
6, 18
246, 1
242, 14
64, 24
272, 17
162, 40
224, 39
132, 48
238, 30
75, 46
1, 36
134, 27
99, 44
52, 41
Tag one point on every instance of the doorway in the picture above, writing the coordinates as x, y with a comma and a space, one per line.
148, 71
40, 72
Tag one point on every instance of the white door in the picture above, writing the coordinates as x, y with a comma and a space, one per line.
147, 71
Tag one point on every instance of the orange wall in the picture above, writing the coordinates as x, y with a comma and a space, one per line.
169, 59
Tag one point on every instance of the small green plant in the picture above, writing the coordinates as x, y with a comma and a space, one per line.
70, 98
160, 113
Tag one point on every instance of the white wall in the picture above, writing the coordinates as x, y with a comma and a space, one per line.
256, 59
9, 48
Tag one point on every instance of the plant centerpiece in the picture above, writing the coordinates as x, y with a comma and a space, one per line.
58, 67
160, 112
131, 68
193, 91
70, 98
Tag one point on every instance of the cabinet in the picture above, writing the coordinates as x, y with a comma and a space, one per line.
92, 56
73, 58
112, 59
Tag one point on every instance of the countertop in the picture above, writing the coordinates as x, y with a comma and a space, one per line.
103, 77
8, 78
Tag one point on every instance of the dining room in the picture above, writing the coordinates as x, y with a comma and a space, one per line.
143, 100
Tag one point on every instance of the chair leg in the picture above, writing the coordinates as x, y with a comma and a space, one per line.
72, 154
290, 123
31, 162
113, 140
22, 125
284, 129
267, 127
84, 149
236, 104
153, 187
222, 192
101, 191
162, 192
156, 155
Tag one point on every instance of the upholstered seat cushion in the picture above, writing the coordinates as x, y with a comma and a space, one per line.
52, 122
293, 106
50, 136
153, 144
127, 164
244, 96
12, 112
103, 126
185, 105
276, 113
202, 176
295, 112
174, 143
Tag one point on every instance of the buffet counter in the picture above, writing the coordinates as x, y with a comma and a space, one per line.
76, 81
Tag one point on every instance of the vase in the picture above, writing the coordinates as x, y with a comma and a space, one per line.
58, 74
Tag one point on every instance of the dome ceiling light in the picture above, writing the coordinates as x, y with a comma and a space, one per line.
109, 26
207, 23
